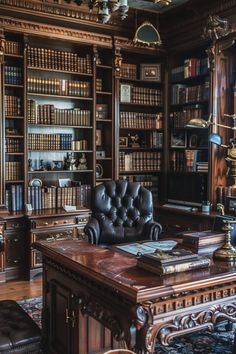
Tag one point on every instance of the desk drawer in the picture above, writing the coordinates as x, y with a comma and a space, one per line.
83, 220
14, 225
53, 222
53, 235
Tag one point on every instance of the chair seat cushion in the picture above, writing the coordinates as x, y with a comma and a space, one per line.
18, 331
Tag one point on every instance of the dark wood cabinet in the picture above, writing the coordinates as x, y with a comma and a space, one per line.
50, 226
15, 248
175, 221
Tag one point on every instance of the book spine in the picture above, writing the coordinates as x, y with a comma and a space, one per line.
176, 268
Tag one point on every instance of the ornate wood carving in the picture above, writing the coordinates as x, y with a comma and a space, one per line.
2, 46
216, 28
52, 9
193, 322
34, 28
122, 42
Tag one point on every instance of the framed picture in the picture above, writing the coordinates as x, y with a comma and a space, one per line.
123, 141
98, 137
178, 140
64, 182
150, 72
125, 93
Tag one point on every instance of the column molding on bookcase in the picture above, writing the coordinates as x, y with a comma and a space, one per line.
2, 118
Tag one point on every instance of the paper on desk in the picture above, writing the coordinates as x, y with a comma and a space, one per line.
148, 247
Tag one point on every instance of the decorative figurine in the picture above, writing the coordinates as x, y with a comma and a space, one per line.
82, 162
41, 165
30, 167
70, 162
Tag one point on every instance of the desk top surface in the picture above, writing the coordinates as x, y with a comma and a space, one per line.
118, 269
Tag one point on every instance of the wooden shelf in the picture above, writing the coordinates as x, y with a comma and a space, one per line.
60, 126
13, 86
146, 105
17, 56
61, 71
101, 66
87, 151
60, 96
58, 171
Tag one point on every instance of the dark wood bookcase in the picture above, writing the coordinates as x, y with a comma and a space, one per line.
188, 144
140, 94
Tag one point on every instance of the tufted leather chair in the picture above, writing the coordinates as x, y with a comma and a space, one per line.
122, 211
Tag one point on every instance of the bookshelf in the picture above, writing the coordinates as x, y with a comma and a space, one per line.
14, 114
189, 99
104, 107
140, 90
60, 151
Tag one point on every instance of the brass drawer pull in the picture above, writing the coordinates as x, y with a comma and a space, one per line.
55, 222
65, 221
45, 223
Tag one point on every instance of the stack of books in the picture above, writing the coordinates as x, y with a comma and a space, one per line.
174, 261
203, 242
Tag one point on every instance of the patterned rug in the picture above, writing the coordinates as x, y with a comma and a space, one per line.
218, 342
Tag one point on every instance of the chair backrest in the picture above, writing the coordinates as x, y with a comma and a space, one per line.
119, 205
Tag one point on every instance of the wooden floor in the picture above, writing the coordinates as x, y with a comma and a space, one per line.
20, 290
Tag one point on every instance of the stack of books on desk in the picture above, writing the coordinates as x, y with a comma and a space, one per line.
203, 242
174, 261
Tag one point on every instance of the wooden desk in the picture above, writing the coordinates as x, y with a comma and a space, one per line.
82, 281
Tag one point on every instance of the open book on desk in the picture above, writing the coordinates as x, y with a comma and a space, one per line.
147, 247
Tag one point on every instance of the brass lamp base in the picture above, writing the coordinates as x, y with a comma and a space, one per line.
227, 252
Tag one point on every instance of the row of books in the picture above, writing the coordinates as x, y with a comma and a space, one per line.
77, 145
57, 197
142, 160
156, 139
13, 105
203, 242
128, 71
188, 161
58, 87
49, 114
14, 197
13, 170
12, 47
98, 85
59, 60
49, 141
180, 118
14, 145
141, 120
192, 67
13, 75
146, 95
186, 94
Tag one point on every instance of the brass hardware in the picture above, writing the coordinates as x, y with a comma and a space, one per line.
71, 318
45, 223
65, 221
55, 222
227, 252
16, 239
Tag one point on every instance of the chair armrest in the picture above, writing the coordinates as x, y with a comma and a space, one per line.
92, 231
152, 230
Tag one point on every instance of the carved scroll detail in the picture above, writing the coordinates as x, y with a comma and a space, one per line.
216, 28
194, 322
49, 30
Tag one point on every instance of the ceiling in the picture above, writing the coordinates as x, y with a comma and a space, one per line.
150, 5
